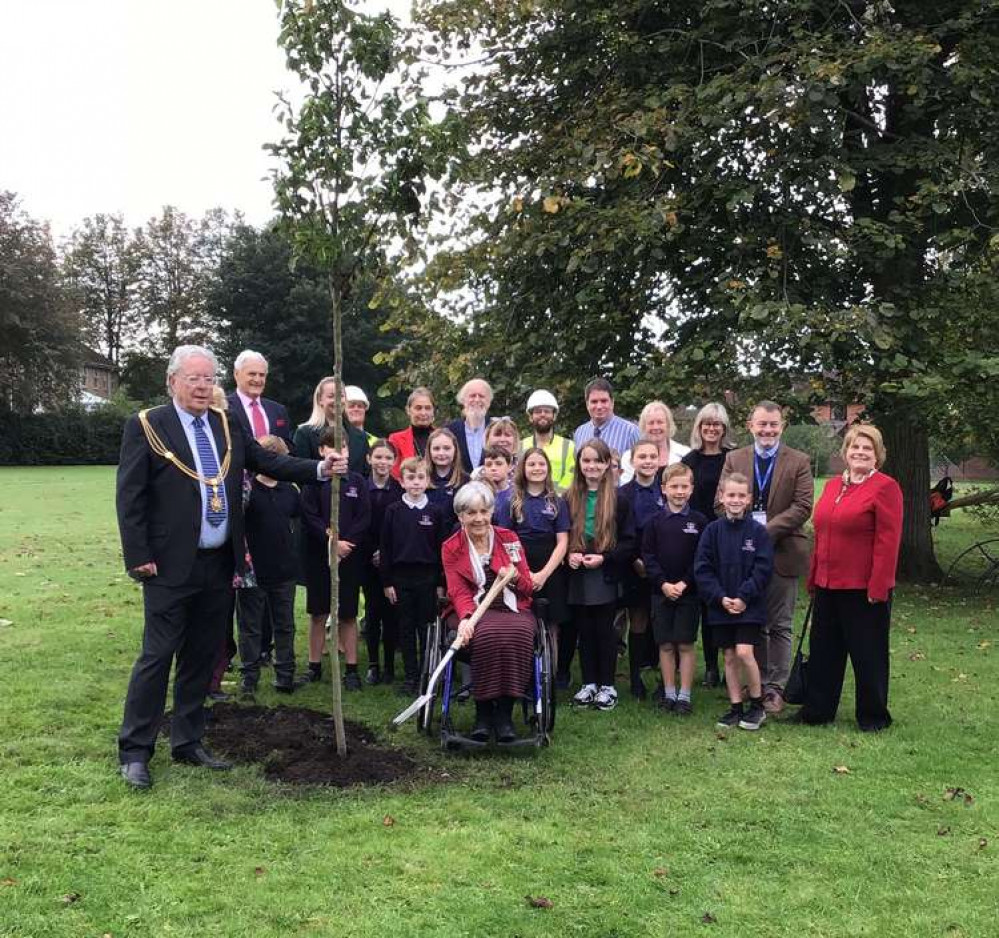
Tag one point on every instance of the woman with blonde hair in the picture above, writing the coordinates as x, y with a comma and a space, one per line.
656, 423
858, 530
305, 442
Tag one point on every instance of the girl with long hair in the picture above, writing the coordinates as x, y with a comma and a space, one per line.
446, 473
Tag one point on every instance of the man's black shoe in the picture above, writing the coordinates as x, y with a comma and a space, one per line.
289, 687
219, 696
248, 693
136, 774
198, 755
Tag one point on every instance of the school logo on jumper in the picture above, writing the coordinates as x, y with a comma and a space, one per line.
749, 545
549, 511
690, 528
426, 521
513, 550
351, 492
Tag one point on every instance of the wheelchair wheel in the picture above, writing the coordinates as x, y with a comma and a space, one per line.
432, 658
545, 706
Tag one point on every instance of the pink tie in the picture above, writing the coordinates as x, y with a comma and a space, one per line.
259, 427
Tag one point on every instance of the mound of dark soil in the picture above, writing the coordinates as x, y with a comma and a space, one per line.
297, 745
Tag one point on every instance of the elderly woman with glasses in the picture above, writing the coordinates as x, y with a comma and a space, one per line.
502, 643
655, 423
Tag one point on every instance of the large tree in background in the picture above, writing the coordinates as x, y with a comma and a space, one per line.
40, 350
759, 195
283, 310
102, 267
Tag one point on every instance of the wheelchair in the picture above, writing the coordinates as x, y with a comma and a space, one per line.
537, 701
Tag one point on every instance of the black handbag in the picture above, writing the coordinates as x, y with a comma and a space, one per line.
797, 680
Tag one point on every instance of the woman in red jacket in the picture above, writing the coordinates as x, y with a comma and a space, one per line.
413, 440
502, 643
858, 528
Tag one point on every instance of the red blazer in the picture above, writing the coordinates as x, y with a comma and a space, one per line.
405, 447
857, 541
461, 586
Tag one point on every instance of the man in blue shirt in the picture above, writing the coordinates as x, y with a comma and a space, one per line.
619, 434
475, 398
180, 516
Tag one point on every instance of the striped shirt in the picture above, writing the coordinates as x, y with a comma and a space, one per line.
617, 433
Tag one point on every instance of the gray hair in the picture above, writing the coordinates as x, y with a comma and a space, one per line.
473, 495
460, 397
657, 405
245, 356
181, 354
714, 412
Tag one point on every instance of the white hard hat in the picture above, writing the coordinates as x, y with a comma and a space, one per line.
353, 393
542, 399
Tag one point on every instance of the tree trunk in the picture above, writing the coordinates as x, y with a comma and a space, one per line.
908, 463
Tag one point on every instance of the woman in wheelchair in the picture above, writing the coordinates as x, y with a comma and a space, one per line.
502, 644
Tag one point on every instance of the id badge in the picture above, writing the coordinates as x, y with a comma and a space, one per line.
761, 517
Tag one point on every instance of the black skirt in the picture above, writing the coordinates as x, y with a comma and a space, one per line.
537, 553
317, 582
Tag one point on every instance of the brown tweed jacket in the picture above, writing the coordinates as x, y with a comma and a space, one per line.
789, 504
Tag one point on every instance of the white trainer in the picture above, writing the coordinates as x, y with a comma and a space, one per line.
606, 698
585, 695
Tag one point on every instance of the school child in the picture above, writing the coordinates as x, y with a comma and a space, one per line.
271, 541
355, 517
381, 628
446, 475
541, 518
644, 494
601, 544
410, 564
732, 568
669, 546
497, 470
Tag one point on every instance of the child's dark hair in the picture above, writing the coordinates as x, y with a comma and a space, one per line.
494, 452
383, 444
327, 437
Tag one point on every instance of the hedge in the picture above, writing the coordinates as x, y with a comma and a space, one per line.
67, 438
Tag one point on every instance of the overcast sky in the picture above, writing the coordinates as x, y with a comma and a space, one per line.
128, 105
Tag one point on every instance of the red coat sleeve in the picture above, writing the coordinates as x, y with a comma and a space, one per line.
887, 538
461, 587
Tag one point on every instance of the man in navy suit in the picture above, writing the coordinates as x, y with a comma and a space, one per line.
180, 516
258, 415
475, 398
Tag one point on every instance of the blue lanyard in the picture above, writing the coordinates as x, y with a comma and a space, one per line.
761, 484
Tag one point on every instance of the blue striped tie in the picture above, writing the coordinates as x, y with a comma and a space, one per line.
209, 469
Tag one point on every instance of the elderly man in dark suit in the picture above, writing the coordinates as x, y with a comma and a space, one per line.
783, 491
258, 415
180, 516
475, 398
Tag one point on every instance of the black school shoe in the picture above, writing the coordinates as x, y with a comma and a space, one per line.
683, 708
754, 717
352, 681
373, 676
730, 718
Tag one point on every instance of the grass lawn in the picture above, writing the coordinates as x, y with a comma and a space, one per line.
631, 824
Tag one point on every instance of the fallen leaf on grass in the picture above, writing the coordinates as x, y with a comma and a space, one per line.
982, 843
943, 831
960, 677
911, 630
388, 821
841, 770
981, 645
917, 656
708, 919
71, 897
674, 891
5, 622
959, 794
7, 881
540, 902
259, 870
660, 871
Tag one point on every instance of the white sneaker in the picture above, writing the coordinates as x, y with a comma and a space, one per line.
606, 698
585, 695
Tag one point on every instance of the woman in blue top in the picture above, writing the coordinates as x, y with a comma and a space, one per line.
541, 519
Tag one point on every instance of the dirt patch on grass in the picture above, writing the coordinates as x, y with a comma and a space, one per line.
298, 746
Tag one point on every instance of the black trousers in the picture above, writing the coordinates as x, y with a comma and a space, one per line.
710, 649
380, 625
267, 612
568, 639
597, 643
187, 623
845, 624
416, 609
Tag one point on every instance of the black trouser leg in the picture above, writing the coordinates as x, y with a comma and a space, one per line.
708, 645
281, 612
589, 652
568, 638
867, 638
416, 608
827, 651
606, 643
266, 631
251, 608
